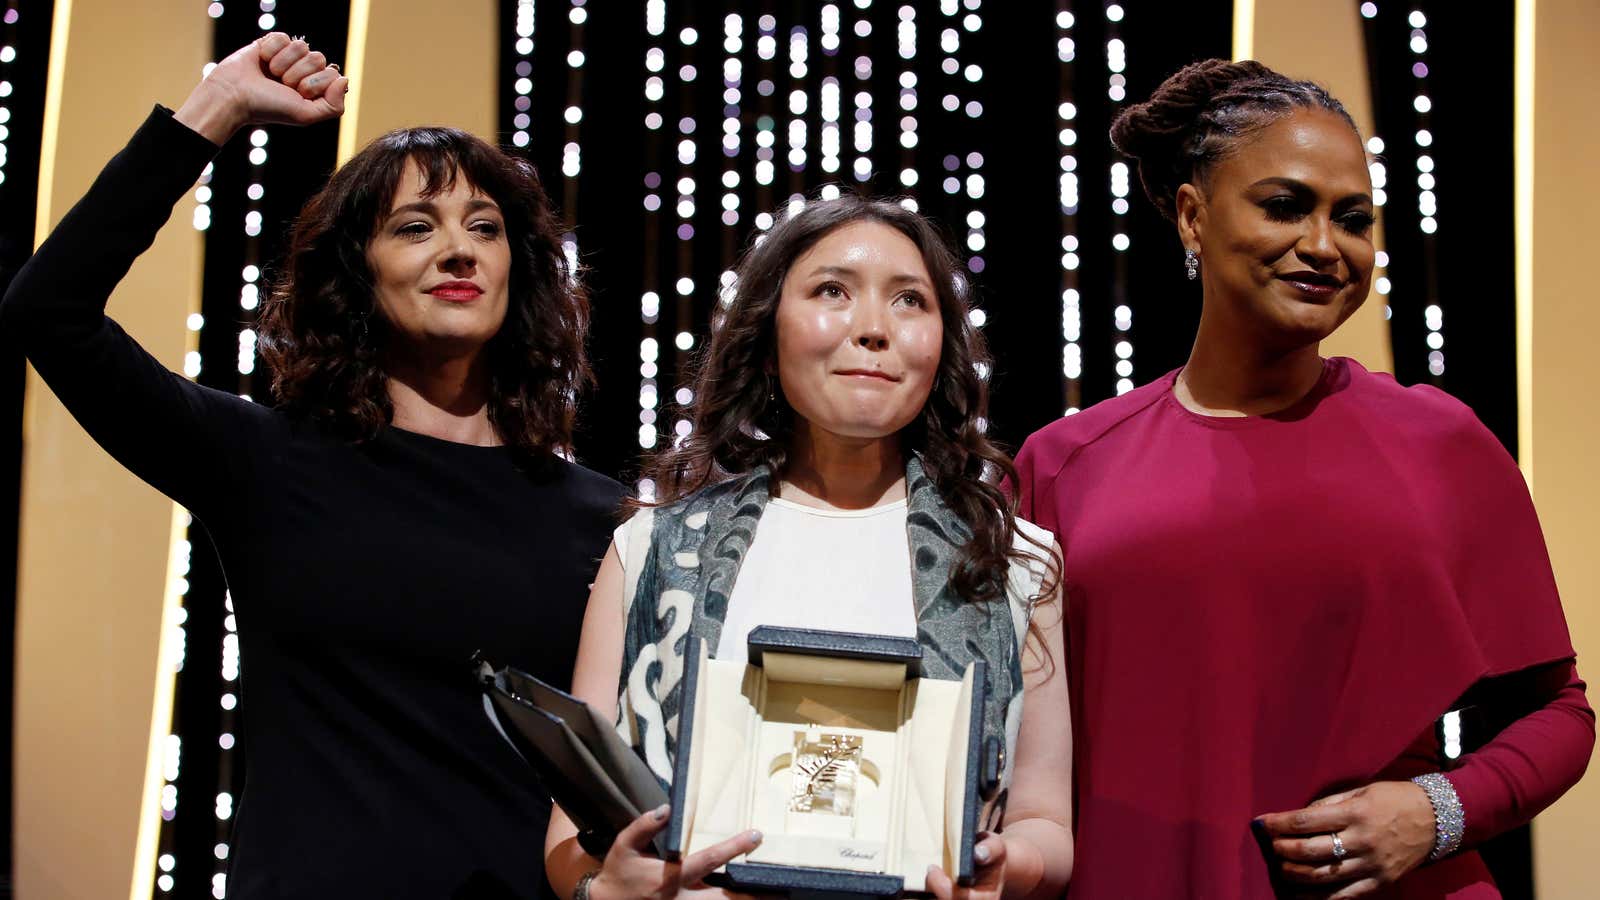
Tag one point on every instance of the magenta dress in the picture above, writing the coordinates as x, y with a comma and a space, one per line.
1261, 611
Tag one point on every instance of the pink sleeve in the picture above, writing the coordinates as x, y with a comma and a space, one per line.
1022, 489
1531, 763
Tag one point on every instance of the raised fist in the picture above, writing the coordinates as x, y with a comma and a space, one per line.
272, 80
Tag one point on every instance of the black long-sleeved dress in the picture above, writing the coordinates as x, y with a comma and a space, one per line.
364, 577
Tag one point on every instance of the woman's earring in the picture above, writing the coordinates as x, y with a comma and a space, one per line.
1191, 264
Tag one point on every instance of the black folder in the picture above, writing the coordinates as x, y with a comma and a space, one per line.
599, 780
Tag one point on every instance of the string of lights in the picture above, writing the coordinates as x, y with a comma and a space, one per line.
688, 151
650, 298
798, 104
522, 88
1379, 173
572, 149
1122, 314
829, 98
906, 48
861, 131
1071, 299
1427, 181
767, 53
8, 56
244, 368
976, 241
732, 97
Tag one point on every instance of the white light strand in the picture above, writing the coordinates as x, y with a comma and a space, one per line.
572, 148
1427, 182
766, 124
976, 240
649, 297
687, 193
1379, 174
8, 56
906, 49
522, 87
798, 102
1122, 315
1071, 309
861, 95
829, 99
732, 120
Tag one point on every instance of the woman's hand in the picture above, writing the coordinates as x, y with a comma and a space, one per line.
989, 874
629, 872
1386, 828
272, 80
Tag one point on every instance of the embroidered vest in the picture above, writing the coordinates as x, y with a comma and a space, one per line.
696, 548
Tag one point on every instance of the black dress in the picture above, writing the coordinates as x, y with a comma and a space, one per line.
364, 577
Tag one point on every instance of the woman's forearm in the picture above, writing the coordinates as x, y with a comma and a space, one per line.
564, 861
1531, 763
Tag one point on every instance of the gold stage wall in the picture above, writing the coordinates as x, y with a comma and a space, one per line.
91, 692
1558, 320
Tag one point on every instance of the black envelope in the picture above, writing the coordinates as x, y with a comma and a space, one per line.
587, 768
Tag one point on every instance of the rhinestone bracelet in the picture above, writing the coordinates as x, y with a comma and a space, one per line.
1449, 819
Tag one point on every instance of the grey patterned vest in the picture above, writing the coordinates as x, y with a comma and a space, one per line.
696, 548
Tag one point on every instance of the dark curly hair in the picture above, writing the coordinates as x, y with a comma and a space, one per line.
323, 337
1200, 113
740, 421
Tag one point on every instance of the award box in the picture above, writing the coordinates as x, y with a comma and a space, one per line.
859, 773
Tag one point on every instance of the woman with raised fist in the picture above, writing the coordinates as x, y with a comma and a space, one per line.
404, 505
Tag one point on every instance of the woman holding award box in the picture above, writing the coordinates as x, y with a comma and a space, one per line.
837, 477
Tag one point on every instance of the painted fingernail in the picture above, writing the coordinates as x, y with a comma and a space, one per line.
755, 836
661, 811
981, 854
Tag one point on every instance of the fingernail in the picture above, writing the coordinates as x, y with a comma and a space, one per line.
932, 870
662, 810
755, 836
981, 854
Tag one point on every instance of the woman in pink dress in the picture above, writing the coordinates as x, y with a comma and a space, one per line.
1281, 569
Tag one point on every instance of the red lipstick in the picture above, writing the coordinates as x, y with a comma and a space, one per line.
456, 291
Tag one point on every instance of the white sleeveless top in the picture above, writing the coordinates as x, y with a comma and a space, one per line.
830, 569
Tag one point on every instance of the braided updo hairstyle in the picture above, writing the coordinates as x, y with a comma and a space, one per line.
1200, 113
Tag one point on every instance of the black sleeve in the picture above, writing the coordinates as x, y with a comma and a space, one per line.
185, 440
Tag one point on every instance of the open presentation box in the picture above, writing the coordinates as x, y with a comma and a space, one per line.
859, 773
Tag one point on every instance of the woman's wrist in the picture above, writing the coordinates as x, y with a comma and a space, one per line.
1448, 816
212, 111
580, 890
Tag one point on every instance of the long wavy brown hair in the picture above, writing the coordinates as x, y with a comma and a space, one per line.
323, 337
740, 421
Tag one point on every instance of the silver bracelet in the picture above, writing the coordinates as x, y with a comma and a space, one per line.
580, 891
1450, 823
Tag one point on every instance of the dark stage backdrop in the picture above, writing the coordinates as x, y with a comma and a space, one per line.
24, 58
670, 134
